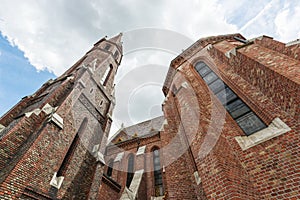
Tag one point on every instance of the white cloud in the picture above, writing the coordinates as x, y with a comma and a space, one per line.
275, 18
55, 34
287, 22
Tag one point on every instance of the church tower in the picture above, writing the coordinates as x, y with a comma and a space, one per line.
52, 142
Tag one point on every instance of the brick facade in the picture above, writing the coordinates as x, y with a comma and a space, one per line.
204, 152
265, 74
44, 141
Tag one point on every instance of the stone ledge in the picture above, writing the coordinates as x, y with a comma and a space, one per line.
58, 120
292, 43
2, 127
232, 51
97, 154
56, 181
197, 177
276, 128
141, 150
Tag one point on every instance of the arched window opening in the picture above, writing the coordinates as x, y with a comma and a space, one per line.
63, 167
247, 120
106, 75
107, 47
130, 170
110, 168
158, 183
116, 54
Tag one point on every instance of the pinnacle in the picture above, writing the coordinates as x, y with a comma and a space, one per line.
116, 39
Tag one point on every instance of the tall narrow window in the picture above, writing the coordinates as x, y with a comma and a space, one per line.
130, 170
63, 167
110, 168
106, 75
240, 112
116, 54
158, 183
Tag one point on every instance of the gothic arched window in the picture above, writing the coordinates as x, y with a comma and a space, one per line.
63, 167
158, 183
110, 168
247, 120
106, 75
116, 54
130, 170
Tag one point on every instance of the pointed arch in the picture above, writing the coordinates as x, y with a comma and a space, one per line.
64, 166
110, 167
243, 115
157, 173
106, 75
130, 170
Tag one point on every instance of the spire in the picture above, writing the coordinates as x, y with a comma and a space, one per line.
117, 40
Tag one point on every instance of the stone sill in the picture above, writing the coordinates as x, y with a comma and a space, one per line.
276, 128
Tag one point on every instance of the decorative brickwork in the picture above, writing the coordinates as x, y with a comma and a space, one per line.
53, 143
43, 140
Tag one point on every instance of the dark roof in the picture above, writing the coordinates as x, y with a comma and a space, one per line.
141, 129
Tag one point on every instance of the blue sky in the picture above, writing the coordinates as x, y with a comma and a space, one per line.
18, 78
41, 39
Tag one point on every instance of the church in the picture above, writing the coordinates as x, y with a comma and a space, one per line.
230, 129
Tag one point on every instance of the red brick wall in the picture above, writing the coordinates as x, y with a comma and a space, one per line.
145, 161
265, 171
33, 148
108, 190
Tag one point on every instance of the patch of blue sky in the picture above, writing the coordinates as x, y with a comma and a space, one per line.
18, 78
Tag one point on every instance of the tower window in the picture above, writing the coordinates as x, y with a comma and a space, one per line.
106, 75
239, 111
130, 170
107, 47
158, 183
116, 54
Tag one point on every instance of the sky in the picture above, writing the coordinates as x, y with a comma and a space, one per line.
39, 40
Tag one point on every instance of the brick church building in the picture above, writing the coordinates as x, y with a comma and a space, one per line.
230, 129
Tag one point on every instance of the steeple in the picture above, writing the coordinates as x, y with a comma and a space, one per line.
68, 116
117, 40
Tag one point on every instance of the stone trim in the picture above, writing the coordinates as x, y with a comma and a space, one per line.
57, 120
2, 127
141, 150
56, 181
197, 177
292, 43
276, 128
232, 51
97, 154
100, 157
47, 109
